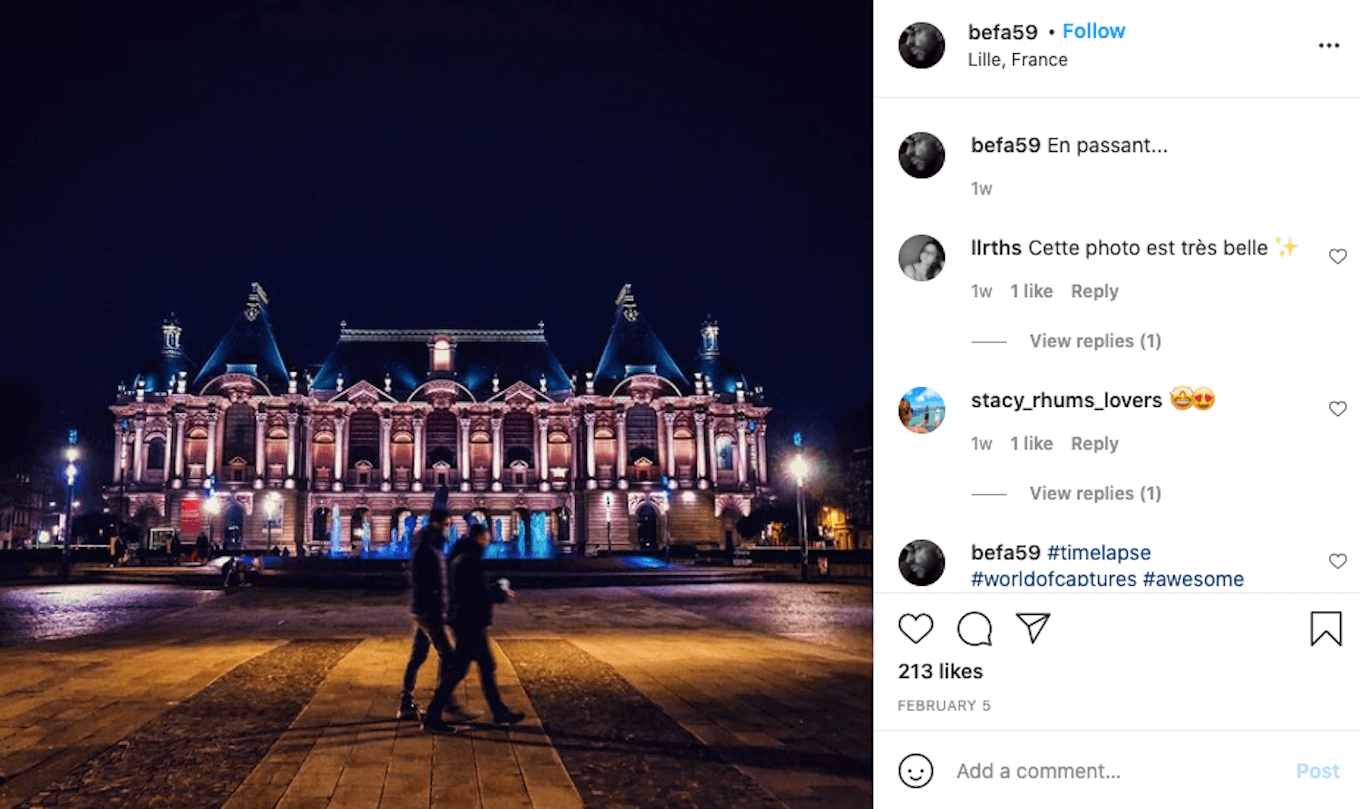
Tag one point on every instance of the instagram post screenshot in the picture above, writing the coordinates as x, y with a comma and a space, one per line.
437, 404
1114, 263
411, 403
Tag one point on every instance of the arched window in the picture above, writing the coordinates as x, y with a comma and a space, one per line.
518, 431
559, 453
725, 452
238, 433
363, 436
640, 425
155, 455
441, 438
196, 449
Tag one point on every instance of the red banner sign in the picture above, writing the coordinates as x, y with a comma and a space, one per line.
190, 522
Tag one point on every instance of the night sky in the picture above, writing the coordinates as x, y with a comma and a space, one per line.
403, 164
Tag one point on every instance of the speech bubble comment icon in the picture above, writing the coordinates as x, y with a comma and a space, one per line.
975, 629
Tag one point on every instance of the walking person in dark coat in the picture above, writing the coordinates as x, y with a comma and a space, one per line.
471, 598
427, 609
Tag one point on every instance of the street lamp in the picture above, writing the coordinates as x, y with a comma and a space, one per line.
801, 470
609, 522
72, 454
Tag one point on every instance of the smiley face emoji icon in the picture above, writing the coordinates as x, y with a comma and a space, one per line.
1203, 398
1182, 398
916, 771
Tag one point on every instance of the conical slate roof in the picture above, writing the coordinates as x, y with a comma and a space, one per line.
633, 348
248, 347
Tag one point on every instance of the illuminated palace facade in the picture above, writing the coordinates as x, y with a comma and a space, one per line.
346, 457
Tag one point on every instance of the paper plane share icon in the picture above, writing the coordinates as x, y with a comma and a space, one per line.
1034, 622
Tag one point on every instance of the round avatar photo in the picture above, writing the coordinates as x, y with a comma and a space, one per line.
921, 563
921, 410
921, 258
921, 155
921, 45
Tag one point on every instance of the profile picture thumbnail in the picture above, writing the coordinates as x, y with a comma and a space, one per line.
921, 155
921, 45
921, 258
921, 410
921, 562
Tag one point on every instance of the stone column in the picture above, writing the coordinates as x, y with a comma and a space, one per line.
670, 444
713, 448
418, 452
465, 449
339, 482
137, 432
620, 447
292, 444
701, 443
385, 453
741, 449
762, 461
542, 464
210, 460
308, 450
497, 443
261, 431
180, 440
169, 447
120, 453
590, 445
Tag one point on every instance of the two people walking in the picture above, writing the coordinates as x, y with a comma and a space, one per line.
455, 593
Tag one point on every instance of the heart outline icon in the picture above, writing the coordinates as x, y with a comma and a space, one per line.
1337, 256
1337, 408
914, 627
1338, 560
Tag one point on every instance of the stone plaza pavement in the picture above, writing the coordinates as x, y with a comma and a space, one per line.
631, 702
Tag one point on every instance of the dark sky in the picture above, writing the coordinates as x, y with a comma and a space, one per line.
403, 164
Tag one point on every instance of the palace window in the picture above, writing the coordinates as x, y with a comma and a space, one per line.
518, 431
441, 356
155, 455
441, 438
725, 452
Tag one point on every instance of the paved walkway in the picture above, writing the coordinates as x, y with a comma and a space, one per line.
792, 716
346, 751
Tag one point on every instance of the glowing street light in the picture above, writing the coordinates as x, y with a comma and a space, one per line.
72, 455
801, 471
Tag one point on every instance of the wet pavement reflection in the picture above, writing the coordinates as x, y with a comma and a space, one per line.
53, 611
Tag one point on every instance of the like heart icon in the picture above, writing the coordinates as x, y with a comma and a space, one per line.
1337, 408
915, 627
1338, 255
1337, 560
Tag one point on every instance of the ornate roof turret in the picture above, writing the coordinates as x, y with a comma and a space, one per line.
248, 347
633, 349
161, 373
720, 377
